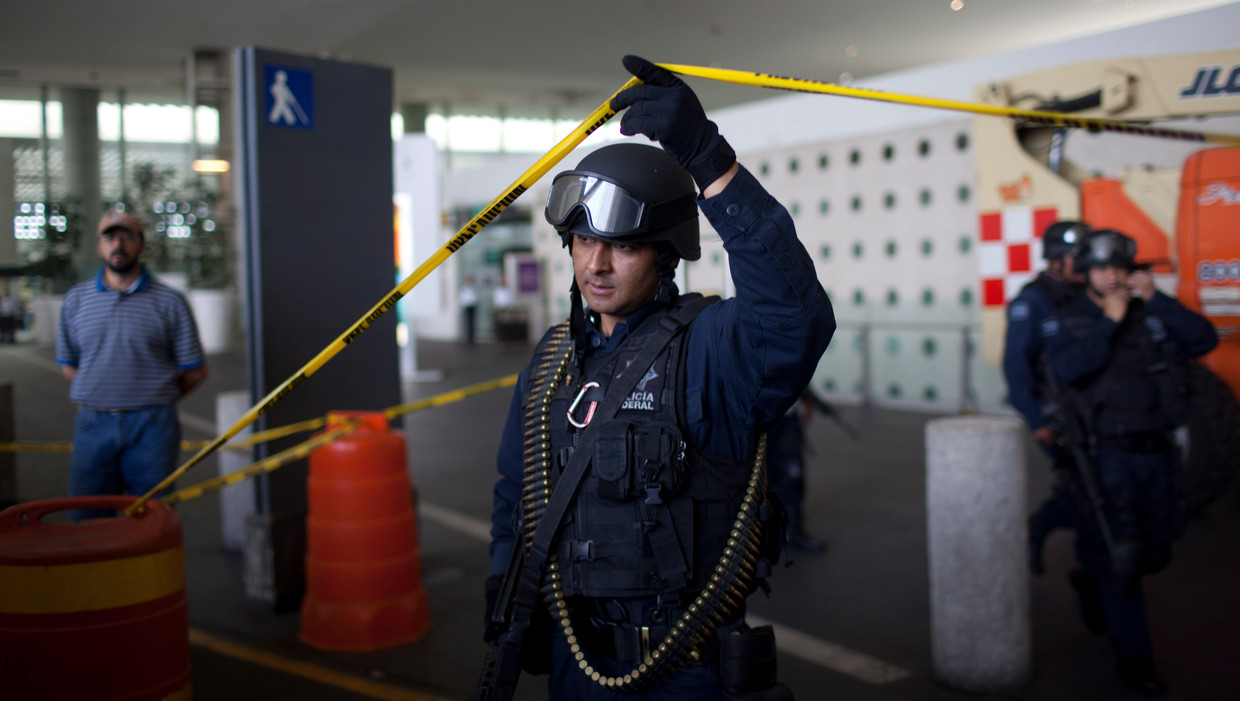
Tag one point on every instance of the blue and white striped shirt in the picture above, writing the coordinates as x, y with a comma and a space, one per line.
129, 347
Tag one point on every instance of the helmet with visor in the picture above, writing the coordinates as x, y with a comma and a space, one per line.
1105, 247
1061, 239
626, 194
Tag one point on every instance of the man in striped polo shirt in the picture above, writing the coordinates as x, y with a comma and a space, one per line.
129, 347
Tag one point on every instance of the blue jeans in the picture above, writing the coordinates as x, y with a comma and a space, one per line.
122, 452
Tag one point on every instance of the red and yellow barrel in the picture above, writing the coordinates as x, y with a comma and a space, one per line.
93, 609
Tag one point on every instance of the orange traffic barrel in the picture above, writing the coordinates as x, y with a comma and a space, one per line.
93, 609
363, 568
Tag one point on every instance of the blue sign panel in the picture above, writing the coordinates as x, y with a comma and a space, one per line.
290, 97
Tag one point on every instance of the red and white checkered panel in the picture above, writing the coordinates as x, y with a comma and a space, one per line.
1010, 250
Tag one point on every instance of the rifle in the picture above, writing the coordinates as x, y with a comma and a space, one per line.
1071, 433
828, 410
502, 666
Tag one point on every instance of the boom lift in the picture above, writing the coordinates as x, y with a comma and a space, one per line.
1183, 213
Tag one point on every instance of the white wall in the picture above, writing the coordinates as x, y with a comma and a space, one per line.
800, 118
416, 179
924, 255
916, 339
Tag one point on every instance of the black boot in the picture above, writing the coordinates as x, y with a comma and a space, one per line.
1141, 676
1090, 599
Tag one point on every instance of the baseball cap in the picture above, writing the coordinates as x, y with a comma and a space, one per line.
121, 220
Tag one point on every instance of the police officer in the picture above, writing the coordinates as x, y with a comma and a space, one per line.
1022, 358
670, 470
785, 449
1122, 348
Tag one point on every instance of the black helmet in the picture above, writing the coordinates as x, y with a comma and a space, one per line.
627, 193
1061, 238
1105, 247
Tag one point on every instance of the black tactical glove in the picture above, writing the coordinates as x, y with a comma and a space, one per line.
491, 631
665, 109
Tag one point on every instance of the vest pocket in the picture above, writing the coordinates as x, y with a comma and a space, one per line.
644, 461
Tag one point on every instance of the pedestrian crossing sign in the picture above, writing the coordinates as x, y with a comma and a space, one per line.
289, 97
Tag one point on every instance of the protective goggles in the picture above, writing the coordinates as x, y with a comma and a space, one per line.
610, 209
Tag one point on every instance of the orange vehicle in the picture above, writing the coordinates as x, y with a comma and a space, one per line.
1208, 251
1206, 261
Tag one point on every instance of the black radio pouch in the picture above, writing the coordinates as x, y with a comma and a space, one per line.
747, 664
774, 518
639, 460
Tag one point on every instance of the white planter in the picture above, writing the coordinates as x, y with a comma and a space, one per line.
215, 311
46, 312
177, 281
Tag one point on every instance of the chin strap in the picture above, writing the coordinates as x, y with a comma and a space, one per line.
665, 259
577, 327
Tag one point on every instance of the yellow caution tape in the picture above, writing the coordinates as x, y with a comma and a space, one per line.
272, 434
32, 447
449, 397
262, 437
280, 459
67, 447
301, 450
597, 118
764, 80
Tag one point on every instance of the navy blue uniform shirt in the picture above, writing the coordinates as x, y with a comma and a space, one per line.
747, 358
1073, 358
1022, 351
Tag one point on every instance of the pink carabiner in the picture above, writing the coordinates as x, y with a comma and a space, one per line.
589, 413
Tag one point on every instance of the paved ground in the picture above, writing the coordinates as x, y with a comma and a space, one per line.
852, 624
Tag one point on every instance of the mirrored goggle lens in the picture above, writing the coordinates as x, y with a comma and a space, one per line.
1111, 248
610, 209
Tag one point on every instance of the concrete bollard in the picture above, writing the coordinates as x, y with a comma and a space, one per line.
981, 636
237, 501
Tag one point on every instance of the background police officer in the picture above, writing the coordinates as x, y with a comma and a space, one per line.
1022, 360
785, 450
1122, 347
646, 525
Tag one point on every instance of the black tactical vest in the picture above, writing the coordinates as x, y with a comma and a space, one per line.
1143, 388
653, 514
